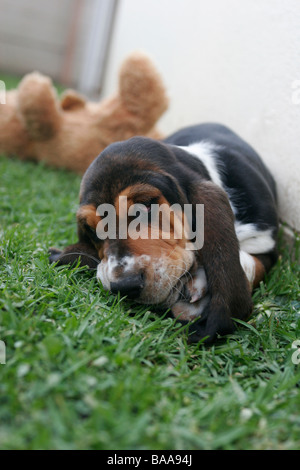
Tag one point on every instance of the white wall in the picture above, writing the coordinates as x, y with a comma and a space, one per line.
230, 61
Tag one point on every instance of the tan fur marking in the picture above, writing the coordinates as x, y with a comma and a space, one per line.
138, 193
154, 236
259, 272
87, 214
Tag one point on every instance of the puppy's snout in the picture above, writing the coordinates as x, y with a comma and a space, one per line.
129, 285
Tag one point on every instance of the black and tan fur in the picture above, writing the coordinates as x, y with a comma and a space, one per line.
205, 164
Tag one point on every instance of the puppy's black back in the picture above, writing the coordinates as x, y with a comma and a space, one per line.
246, 179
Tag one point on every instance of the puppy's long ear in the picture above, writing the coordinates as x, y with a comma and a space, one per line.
227, 284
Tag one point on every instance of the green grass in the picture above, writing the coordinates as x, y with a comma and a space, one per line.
87, 370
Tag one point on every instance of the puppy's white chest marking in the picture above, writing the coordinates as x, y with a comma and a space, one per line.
205, 152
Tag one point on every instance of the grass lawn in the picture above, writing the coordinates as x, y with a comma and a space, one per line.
87, 370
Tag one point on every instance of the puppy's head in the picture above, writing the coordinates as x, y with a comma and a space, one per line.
131, 211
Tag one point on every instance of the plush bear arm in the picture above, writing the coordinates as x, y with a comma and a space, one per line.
71, 100
141, 89
37, 106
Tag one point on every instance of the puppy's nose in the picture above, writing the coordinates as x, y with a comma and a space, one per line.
129, 285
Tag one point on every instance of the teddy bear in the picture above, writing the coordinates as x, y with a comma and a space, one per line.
69, 132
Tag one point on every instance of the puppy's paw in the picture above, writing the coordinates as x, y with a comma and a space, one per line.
197, 286
81, 253
187, 311
196, 298
54, 254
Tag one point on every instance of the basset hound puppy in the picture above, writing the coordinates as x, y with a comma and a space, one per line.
202, 264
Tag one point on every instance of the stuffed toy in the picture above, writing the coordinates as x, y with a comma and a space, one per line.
69, 132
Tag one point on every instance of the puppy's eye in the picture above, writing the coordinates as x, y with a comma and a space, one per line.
143, 210
148, 204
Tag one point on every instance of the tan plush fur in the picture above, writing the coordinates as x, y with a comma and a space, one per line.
70, 132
